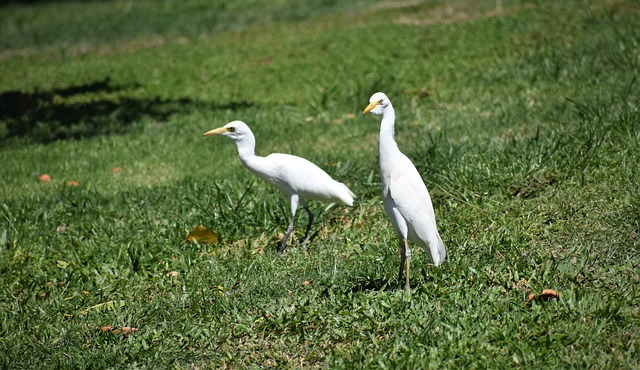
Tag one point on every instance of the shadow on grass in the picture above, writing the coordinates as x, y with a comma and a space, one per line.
384, 284
30, 2
81, 111
369, 284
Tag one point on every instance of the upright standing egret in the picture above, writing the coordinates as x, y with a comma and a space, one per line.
295, 177
405, 197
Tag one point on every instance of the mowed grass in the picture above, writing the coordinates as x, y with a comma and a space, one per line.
523, 121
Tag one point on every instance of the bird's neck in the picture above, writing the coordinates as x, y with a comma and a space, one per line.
260, 166
387, 142
246, 149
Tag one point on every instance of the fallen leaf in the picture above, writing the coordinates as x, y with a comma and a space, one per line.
218, 288
126, 330
44, 178
544, 296
173, 274
73, 183
203, 235
548, 294
116, 169
307, 282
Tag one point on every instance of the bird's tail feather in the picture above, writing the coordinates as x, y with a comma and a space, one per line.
351, 194
442, 252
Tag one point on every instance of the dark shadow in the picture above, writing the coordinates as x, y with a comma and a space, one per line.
374, 284
87, 110
29, 2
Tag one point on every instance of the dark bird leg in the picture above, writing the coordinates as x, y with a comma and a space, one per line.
306, 233
286, 236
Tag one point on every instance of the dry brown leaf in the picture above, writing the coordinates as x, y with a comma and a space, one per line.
173, 274
203, 235
116, 169
126, 330
73, 183
544, 296
44, 178
548, 294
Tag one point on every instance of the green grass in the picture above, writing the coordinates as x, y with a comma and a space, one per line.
523, 121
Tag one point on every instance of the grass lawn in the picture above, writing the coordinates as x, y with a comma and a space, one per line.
523, 118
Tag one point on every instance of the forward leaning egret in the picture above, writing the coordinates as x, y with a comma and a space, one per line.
405, 197
295, 177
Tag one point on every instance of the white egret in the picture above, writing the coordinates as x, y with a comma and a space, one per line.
297, 178
405, 197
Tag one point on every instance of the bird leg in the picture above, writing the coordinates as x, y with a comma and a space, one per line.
401, 252
286, 236
306, 233
408, 258
294, 206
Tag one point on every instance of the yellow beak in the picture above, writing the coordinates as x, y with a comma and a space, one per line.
216, 131
370, 107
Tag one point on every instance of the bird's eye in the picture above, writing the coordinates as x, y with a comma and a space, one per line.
231, 129
381, 101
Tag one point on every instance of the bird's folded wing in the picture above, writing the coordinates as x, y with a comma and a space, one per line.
308, 180
411, 198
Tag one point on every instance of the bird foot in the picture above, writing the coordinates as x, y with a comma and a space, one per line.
281, 249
